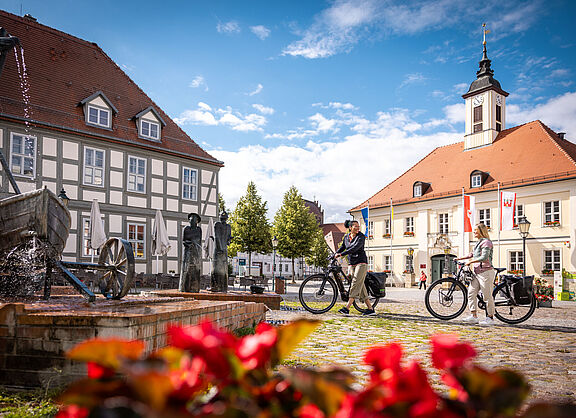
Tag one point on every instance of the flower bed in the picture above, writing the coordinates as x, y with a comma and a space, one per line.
208, 372
543, 291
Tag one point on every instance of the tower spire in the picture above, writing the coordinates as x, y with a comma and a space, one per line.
485, 69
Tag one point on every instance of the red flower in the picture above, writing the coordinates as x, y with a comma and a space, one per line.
448, 353
208, 343
254, 350
96, 371
187, 380
73, 411
310, 411
384, 359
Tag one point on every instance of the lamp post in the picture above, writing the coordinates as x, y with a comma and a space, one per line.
62, 196
274, 245
447, 250
524, 227
410, 252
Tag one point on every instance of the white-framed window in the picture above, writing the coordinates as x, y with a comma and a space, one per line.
137, 237
552, 260
408, 264
484, 217
23, 155
370, 229
98, 116
94, 166
149, 129
476, 180
443, 223
417, 190
189, 183
86, 250
386, 226
136, 174
387, 263
518, 213
516, 261
409, 225
371, 262
552, 213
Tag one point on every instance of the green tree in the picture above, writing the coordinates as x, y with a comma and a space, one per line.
222, 205
250, 227
319, 252
294, 226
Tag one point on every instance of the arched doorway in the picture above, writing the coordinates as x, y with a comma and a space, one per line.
438, 262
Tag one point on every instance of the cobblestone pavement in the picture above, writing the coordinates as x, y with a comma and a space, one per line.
542, 348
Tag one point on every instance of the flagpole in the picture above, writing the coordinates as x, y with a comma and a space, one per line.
368, 225
463, 253
499, 220
391, 236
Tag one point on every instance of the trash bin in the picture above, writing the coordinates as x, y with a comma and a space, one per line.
280, 285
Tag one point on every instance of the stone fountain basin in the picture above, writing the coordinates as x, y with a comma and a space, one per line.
35, 335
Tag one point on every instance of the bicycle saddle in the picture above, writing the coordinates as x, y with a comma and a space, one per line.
499, 269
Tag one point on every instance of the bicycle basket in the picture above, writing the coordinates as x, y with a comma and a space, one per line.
376, 284
521, 290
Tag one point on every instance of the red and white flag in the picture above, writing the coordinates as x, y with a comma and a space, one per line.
507, 209
469, 213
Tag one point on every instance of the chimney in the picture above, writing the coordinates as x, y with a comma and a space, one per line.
561, 135
30, 18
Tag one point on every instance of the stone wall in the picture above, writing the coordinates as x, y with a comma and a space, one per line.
34, 340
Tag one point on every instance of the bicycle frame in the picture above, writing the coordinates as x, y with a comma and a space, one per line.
335, 269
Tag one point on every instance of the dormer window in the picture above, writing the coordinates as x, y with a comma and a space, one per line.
149, 124
98, 110
149, 129
419, 188
478, 178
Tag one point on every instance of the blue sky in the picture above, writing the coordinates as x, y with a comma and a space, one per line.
336, 97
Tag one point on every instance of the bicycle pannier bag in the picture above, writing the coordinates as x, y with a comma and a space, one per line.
522, 289
376, 284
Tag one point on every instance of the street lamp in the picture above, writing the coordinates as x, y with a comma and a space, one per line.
274, 245
447, 250
62, 196
524, 227
410, 256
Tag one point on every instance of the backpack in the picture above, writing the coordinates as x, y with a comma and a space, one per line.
376, 284
522, 289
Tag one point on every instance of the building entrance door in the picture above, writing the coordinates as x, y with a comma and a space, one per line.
438, 262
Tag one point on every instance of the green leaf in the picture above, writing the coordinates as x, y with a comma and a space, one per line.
290, 335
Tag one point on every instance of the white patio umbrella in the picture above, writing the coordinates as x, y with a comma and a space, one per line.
97, 234
160, 241
209, 242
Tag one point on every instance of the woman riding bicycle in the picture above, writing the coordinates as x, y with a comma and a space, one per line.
483, 276
353, 247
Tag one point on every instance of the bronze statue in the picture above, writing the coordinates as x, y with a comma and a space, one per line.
192, 257
222, 237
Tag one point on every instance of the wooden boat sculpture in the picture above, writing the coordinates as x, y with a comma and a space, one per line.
38, 213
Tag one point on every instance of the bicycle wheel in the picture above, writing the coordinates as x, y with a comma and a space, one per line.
446, 298
318, 293
505, 308
361, 307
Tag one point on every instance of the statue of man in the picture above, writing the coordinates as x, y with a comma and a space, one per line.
192, 257
222, 237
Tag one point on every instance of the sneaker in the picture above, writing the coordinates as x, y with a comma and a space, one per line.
369, 312
487, 322
344, 311
470, 319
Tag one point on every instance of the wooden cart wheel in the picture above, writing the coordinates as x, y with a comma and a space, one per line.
118, 256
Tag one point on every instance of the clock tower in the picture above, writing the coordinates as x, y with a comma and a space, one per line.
485, 106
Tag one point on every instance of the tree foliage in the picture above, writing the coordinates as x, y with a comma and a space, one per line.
294, 226
250, 227
319, 252
222, 204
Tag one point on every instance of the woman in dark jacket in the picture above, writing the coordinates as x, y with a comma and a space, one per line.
353, 247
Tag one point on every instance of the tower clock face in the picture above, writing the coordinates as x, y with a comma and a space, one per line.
499, 100
478, 100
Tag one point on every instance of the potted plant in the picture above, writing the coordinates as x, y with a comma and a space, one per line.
515, 272
408, 234
551, 223
386, 235
544, 293
547, 272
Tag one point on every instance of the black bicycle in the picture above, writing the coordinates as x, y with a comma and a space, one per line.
514, 298
318, 293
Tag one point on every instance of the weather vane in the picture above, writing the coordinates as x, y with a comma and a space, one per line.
485, 32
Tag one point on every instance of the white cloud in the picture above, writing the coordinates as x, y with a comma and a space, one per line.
414, 78
206, 115
228, 27
197, 82
558, 113
256, 91
322, 124
455, 113
263, 109
260, 31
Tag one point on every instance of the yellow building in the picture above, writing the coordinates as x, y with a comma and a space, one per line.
423, 208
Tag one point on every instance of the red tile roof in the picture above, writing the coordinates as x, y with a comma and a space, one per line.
62, 71
527, 154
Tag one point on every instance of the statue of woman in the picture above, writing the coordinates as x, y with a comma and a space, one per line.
192, 257
222, 237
